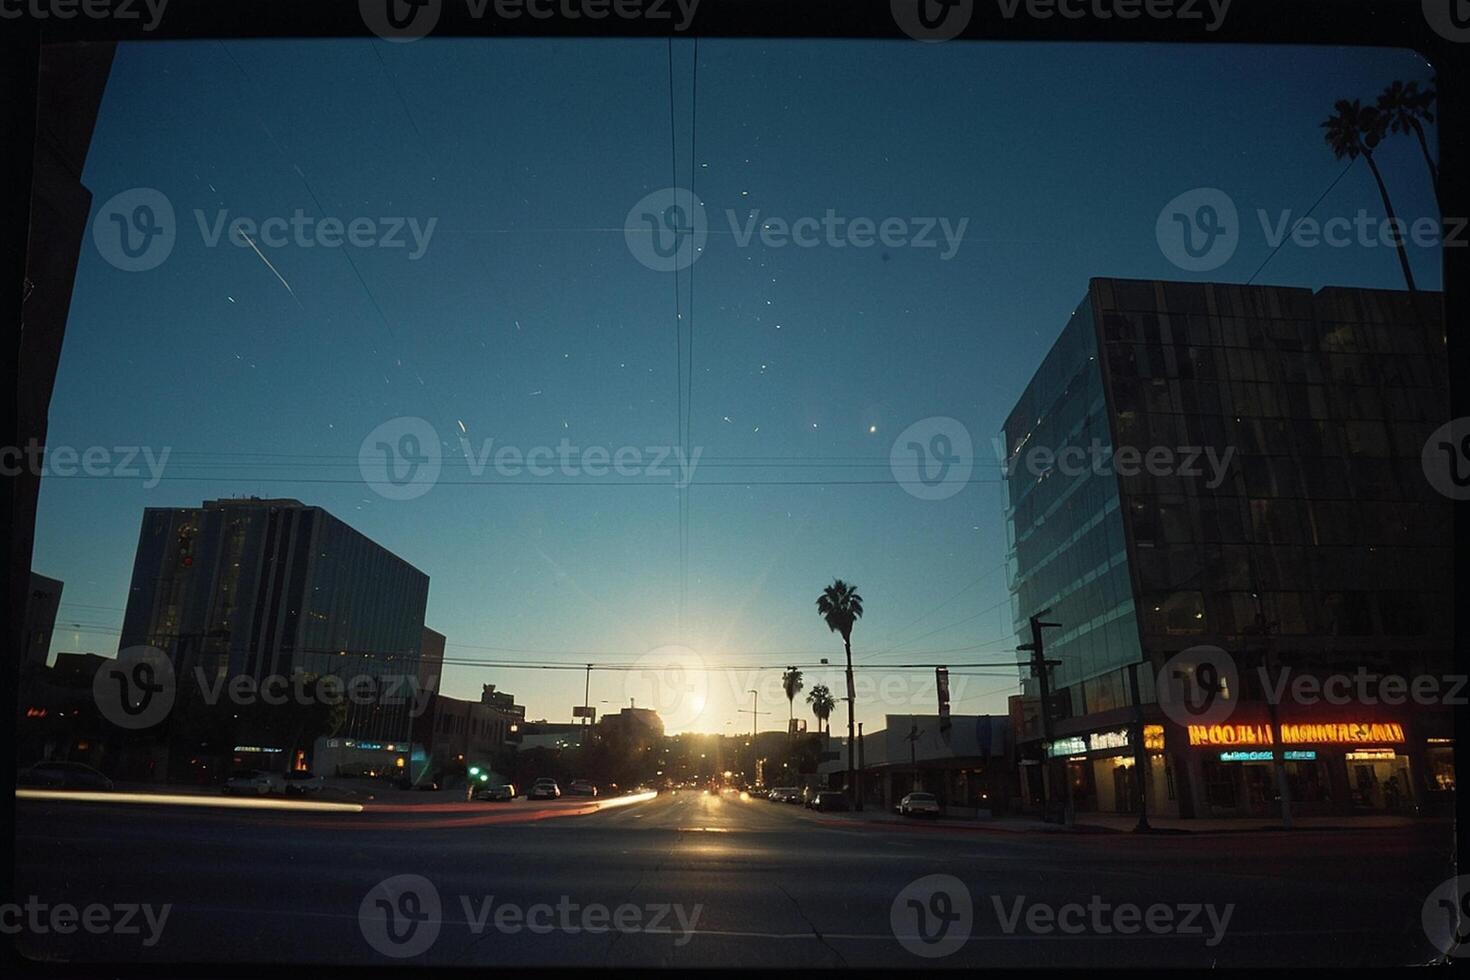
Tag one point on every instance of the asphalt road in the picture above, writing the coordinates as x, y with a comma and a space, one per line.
696, 880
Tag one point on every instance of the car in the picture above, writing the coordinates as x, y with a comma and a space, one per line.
497, 794
581, 787
786, 794
544, 789
919, 805
300, 782
829, 800
63, 775
255, 782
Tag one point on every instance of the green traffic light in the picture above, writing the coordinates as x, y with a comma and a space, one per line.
474, 770
484, 777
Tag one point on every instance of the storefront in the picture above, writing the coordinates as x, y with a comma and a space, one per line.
1102, 770
1333, 766
1339, 767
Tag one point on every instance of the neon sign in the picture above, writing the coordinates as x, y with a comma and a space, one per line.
1349, 733
1071, 745
1117, 739
1290, 755
1153, 738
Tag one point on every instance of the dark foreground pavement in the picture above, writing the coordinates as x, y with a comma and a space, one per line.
696, 880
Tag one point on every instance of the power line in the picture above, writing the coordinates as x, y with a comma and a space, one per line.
1298, 221
937, 607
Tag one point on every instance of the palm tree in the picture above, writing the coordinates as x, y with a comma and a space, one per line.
791, 684
1353, 130
822, 702
1407, 110
841, 607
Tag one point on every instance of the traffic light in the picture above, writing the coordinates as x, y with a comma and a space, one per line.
474, 770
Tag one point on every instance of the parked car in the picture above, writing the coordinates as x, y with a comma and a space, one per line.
497, 794
544, 789
63, 775
300, 782
581, 787
919, 805
786, 794
829, 799
255, 782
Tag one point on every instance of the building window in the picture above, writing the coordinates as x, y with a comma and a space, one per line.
1220, 785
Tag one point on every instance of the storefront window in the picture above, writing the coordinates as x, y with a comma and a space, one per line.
1307, 783
1220, 785
1441, 762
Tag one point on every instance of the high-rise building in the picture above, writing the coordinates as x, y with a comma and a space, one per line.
259, 588
42, 602
431, 660
1236, 468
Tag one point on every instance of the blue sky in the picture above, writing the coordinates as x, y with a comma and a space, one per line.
528, 320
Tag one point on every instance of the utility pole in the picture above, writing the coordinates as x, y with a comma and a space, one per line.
913, 738
754, 701
1264, 628
1140, 752
1039, 665
1278, 761
586, 694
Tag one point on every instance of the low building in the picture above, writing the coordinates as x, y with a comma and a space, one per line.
455, 732
431, 660
545, 734
58, 720
968, 764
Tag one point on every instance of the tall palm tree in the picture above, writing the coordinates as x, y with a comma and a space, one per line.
822, 702
1406, 110
841, 607
1353, 130
791, 684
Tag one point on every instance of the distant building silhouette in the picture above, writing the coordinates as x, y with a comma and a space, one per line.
42, 603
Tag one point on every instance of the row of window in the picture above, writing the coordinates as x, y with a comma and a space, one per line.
1172, 519
1279, 400
1282, 335
1347, 613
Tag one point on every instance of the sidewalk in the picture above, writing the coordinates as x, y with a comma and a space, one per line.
1106, 823
1126, 823
877, 818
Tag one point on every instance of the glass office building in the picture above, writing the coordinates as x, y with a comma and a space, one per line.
256, 588
1239, 467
